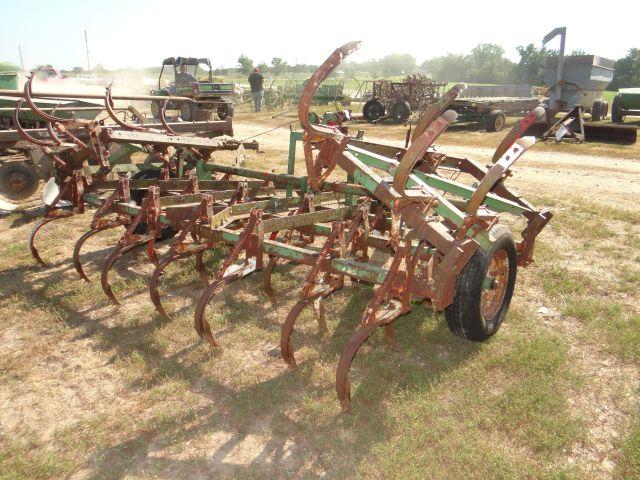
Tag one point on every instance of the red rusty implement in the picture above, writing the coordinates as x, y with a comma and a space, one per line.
434, 240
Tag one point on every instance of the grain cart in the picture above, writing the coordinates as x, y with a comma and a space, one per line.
396, 100
387, 216
576, 84
626, 102
208, 95
577, 79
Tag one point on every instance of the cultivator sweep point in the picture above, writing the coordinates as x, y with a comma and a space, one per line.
398, 221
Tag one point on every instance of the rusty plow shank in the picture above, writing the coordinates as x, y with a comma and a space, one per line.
407, 221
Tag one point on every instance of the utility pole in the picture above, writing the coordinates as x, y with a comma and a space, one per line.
20, 52
86, 44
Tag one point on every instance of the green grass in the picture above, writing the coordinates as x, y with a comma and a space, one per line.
629, 458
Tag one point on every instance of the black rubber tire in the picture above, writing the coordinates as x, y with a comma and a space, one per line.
605, 110
373, 110
226, 110
156, 107
596, 111
464, 316
495, 121
137, 195
616, 110
187, 111
18, 180
400, 111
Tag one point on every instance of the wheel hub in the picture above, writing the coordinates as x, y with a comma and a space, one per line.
17, 181
495, 289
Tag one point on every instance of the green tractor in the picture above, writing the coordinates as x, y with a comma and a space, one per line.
181, 76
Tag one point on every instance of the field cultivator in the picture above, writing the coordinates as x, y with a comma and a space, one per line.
394, 218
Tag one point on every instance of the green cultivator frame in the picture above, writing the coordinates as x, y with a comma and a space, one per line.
435, 239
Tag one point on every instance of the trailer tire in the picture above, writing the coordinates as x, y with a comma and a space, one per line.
605, 109
495, 121
187, 111
475, 313
373, 110
400, 111
137, 195
616, 110
156, 107
18, 180
596, 111
226, 110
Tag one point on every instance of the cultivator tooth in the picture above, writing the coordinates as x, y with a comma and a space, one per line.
78, 246
314, 290
149, 211
181, 249
100, 223
229, 272
418, 150
34, 232
518, 130
406, 235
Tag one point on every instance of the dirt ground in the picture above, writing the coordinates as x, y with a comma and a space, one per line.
89, 390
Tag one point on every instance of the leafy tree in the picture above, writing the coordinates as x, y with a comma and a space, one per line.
449, 68
530, 69
246, 64
279, 65
488, 65
485, 64
627, 72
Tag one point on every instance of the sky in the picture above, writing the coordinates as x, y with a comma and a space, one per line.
141, 33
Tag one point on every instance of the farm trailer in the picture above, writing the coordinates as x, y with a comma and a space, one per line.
22, 165
397, 100
396, 221
491, 112
626, 102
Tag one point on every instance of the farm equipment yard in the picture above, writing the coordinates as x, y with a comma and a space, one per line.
428, 285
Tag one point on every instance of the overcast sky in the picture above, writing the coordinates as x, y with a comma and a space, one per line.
142, 33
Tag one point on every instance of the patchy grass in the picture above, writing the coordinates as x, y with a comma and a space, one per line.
21, 459
629, 465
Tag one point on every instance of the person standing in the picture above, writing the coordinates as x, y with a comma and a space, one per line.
256, 80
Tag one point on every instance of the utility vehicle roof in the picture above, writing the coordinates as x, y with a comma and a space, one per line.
186, 61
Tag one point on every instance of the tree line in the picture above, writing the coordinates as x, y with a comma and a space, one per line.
485, 63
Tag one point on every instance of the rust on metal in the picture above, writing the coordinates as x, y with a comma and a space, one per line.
390, 217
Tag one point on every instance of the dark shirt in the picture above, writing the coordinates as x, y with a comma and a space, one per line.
255, 80
184, 79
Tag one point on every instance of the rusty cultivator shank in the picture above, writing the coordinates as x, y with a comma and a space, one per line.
400, 219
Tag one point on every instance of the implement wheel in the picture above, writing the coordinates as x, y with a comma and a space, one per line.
225, 110
18, 180
400, 111
616, 110
187, 111
156, 106
596, 111
495, 121
373, 110
484, 289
